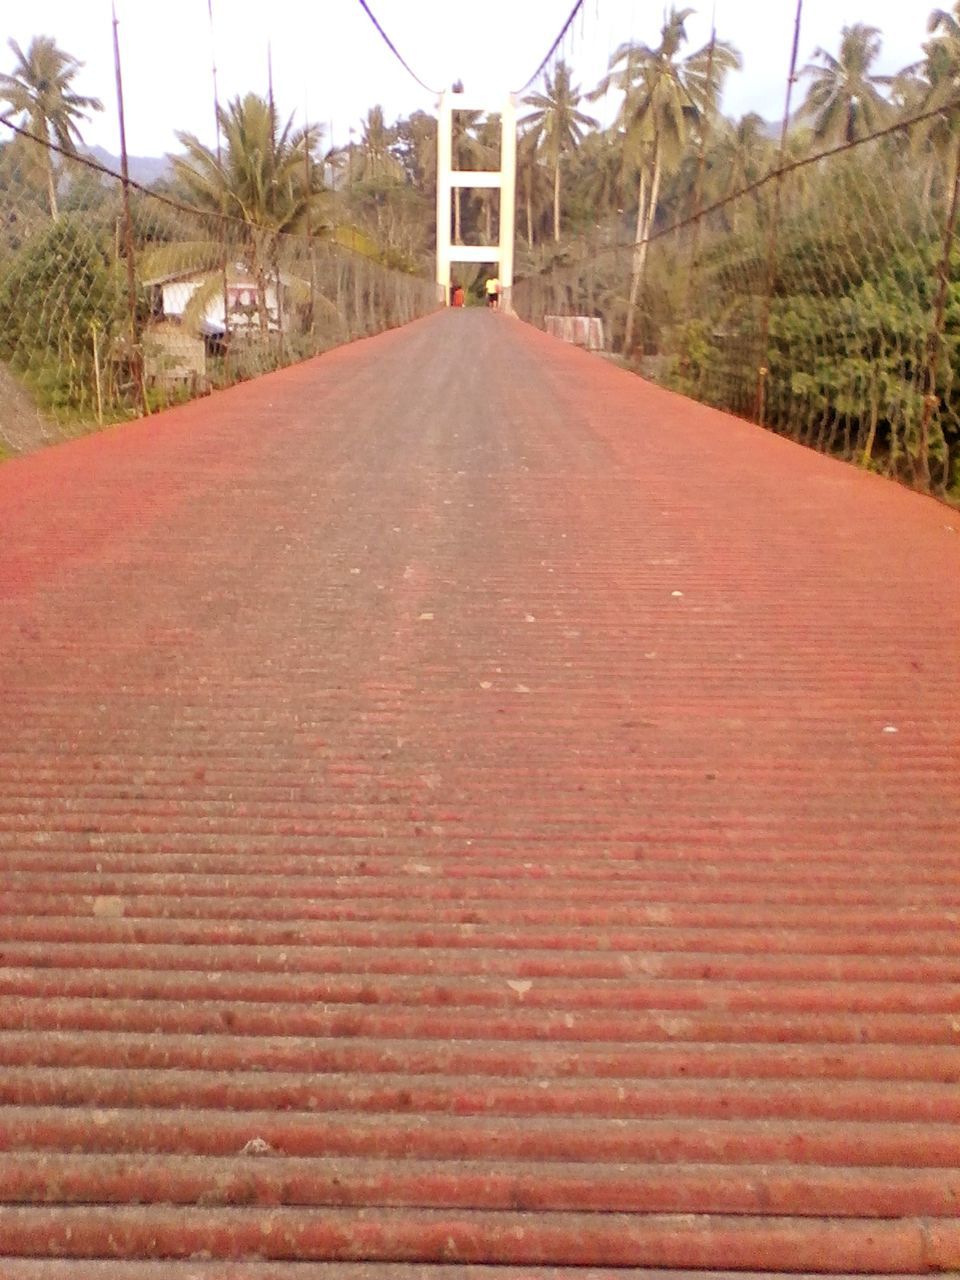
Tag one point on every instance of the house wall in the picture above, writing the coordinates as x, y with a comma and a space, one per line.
177, 294
172, 355
242, 296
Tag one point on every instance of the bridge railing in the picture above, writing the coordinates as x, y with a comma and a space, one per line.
110, 309
821, 300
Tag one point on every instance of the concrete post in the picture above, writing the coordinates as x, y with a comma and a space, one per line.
508, 197
444, 190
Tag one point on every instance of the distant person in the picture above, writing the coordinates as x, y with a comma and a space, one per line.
493, 292
456, 299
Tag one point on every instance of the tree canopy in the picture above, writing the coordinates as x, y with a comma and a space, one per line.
40, 91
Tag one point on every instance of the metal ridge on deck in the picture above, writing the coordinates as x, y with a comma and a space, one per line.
468, 814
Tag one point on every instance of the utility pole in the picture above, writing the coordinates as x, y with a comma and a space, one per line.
223, 220
273, 200
763, 370
137, 349
308, 198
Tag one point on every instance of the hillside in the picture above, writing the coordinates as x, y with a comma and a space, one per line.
143, 169
22, 427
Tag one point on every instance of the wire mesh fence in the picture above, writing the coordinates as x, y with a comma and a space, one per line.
112, 307
820, 300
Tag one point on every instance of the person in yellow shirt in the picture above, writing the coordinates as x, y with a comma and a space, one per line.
493, 292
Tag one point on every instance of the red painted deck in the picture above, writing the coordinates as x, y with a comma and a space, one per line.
465, 811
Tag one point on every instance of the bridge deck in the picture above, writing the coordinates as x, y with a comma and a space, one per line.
460, 804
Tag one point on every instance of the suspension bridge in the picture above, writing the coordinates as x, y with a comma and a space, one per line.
462, 805
466, 810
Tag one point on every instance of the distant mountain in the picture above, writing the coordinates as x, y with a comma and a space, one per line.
143, 169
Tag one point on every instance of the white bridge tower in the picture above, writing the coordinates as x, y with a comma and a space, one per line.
505, 179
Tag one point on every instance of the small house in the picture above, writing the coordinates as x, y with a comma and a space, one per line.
195, 299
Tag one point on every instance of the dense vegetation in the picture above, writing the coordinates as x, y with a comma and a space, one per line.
823, 302
266, 207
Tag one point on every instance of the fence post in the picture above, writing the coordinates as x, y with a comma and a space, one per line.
96, 371
591, 275
935, 337
308, 199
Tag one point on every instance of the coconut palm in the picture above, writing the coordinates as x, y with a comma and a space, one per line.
375, 158
559, 124
600, 174
664, 94
742, 154
946, 27
261, 180
745, 150
487, 153
844, 101
40, 92
942, 62
529, 177
261, 176
466, 152
415, 147
933, 85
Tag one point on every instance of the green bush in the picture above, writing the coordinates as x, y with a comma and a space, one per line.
56, 292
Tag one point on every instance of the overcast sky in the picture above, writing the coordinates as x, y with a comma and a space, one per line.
329, 61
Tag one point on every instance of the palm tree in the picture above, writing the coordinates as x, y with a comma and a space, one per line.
600, 171
262, 180
663, 94
529, 174
741, 155
415, 147
465, 149
946, 27
560, 125
487, 152
375, 158
39, 90
933, 85
261, 176
844, 101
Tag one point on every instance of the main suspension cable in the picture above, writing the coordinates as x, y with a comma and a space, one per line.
553, 48
394, 50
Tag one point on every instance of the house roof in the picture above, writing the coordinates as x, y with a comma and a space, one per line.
235, 275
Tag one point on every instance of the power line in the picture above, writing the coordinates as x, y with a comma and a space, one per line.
553, 48
394, 50
782, 171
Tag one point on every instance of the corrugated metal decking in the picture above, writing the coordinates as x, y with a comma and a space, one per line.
466, 811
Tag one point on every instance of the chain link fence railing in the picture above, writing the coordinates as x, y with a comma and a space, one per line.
113, 307
821, 301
